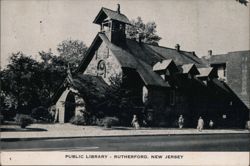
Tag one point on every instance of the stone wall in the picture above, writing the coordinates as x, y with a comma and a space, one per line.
105, 56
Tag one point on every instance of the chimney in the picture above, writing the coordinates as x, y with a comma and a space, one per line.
177, 47
118, 8
194, 53
210, 52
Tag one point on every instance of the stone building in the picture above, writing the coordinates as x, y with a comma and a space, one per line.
166, 82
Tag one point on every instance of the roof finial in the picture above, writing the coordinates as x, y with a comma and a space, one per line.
118, 8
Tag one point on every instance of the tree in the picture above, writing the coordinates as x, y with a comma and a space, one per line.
21, 82
72, 51
147, 31
52, 73
243, 2
27, 84
119, 101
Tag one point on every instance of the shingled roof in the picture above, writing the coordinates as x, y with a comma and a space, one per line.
151, 54
142, 57
127, 59
93, 87
105, 13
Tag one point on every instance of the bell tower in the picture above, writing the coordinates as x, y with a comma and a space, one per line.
113, 24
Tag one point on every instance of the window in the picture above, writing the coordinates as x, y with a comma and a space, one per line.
144, 94
221, 71
106, 26
101, 68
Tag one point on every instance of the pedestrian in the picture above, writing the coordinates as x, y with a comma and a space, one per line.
135, 122
200, 124
181, 121
211, 124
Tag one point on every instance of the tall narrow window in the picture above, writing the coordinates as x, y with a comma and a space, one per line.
144, 94
101, 69
172, 97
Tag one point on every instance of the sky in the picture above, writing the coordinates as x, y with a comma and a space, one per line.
31, 26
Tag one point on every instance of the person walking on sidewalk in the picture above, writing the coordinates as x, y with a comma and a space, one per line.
200, 124
181, 121
135, 122
211, 124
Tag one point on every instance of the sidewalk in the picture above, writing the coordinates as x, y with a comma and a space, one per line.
50, 131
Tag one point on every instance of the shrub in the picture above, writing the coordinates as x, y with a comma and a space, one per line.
108, 122
78, 120
24, 120
8, 114
41, 113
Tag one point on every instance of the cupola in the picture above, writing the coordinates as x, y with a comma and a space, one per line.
113, 24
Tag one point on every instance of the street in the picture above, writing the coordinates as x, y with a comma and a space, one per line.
204, 142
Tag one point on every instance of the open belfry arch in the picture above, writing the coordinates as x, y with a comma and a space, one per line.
165, 82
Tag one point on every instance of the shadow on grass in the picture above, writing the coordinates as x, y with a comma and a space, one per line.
21, 130
117, 128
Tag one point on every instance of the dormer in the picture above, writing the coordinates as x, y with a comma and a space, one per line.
113, 24
189, 69
207, 73
165, 68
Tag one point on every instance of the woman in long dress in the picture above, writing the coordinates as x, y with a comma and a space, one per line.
135, 122
200, 124
181, 121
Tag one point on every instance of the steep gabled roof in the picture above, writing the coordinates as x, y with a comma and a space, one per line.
149, 77
126, 59
89, 54
142, 57
221, 85
152, 54
105, 13
189, 68
93, 87
162, 65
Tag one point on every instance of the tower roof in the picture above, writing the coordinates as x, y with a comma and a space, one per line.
105, 13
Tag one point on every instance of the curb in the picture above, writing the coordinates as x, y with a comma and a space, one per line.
105, 136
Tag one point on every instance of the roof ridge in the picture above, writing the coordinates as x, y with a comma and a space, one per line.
238, 51
162, 46
108, 9
112, 11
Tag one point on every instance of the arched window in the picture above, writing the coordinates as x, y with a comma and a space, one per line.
144, 94
101, 68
